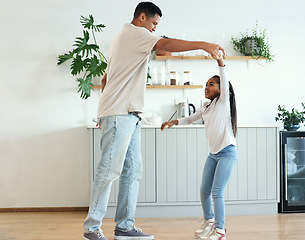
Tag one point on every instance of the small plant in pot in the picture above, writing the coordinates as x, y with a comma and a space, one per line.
291, 120
255, 44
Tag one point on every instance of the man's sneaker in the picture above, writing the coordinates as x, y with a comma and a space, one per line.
98, 235
133, 234
205, 228
216, 234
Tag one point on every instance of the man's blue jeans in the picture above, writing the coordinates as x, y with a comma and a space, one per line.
216, 173
121, 157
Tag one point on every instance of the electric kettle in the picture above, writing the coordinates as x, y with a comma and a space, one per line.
185, 109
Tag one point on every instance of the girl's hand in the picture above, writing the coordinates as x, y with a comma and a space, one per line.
219, 61
214, 50
169, 124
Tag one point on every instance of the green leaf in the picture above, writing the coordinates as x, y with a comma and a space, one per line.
96, 67
89, 24
80, 43
148, 74
78, 65
99, 28
260, 44
290, 118
86, 50
85, 87
86, 57
64, 57
82, 46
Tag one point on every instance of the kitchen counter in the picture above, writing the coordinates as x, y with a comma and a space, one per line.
172, 170
159, 126
202, 126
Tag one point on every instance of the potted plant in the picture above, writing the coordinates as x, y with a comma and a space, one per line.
291, 119
86, 57
255, 44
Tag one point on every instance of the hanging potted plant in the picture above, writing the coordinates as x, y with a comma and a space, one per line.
87, 59
291, 120
255, 44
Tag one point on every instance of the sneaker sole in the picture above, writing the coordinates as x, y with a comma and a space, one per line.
200, 235
84, 238
133, 238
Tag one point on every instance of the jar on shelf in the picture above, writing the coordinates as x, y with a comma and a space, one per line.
174, 78
154, 76
187, 78
163, 76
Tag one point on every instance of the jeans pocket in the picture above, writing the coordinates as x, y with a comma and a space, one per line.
106, 124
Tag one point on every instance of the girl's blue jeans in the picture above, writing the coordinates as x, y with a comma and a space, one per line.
121, 158
216, 173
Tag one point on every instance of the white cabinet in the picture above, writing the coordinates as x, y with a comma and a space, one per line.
147, 190
173, 162
180, 156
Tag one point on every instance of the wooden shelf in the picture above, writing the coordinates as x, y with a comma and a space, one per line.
204, 58
164, 58
174, 86
97, 87
164, 86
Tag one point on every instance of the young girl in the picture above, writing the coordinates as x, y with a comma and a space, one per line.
219, 115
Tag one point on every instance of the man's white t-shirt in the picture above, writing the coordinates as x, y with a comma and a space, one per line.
127, 71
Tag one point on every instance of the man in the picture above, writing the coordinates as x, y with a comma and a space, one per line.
123, 87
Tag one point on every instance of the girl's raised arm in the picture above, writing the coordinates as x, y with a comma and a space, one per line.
224, 84
220, 62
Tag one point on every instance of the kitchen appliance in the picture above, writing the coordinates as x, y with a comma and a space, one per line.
187, 78
152, 118
292, 172
185, 109
174, 78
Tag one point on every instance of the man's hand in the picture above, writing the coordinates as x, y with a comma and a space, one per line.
214, 50
104, 81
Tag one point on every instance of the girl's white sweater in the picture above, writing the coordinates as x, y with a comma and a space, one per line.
217, 118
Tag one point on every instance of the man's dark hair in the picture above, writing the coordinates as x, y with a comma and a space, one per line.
149, 8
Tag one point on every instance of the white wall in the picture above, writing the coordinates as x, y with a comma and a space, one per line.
44, 143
